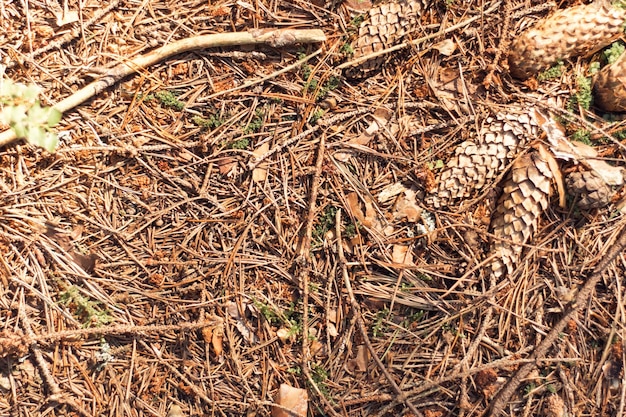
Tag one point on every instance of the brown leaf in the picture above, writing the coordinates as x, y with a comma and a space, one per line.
362, 358
259, 174
445, 47
292, 401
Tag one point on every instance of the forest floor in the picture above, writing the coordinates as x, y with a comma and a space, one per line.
162, 263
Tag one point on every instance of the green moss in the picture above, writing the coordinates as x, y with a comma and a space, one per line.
317, 114
551, 73
169, 99
612, 53
582, 97
86, 310
347, 49
242, 143
356, 22
582, 135
330, 85
211, 122
255, 124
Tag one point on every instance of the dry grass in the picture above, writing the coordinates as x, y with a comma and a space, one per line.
129, 251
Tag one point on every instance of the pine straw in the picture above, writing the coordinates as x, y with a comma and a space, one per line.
151, 226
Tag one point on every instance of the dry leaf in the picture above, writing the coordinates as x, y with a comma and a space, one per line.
362, 358
66, 17
445, 47
233, 311
175, 411
332, 330
292, 401
259, 174
380, 117
401, 255
227, 166
406, 207
390, 191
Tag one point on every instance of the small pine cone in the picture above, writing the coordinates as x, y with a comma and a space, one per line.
388, 23
590, 188
524, 198
609, 86
476, 163
579, 30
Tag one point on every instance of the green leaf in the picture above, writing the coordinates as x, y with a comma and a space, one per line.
51, 140
54, 117
21, 130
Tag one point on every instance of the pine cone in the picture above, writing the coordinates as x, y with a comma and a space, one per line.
524, 198
579, 30
476, 163
590, 188
388, 23
610, 86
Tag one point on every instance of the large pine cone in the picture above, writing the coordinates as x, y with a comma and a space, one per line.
388, 23
610, 86
590, 188
579, 30
476, 163
525, 197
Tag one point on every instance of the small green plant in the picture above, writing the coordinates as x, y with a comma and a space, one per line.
378, 327
583, 96
551, 388
612, 53
267, 311
242, 143
582, 135
295, 328
317, 114
330, 85
551, 73
356, 22
86, 310
23, 113
168, 99
438, 164
325, 222
347, 49
351, 230
211, 122
295, 370
529, 388
256, 123
320, 376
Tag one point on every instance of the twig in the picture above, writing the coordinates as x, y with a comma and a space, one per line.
14, 340
503, 397
304, 263
276, 38
359, 319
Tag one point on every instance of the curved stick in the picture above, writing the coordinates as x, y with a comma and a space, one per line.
275, 38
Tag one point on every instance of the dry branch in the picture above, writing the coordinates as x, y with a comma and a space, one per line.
278, 38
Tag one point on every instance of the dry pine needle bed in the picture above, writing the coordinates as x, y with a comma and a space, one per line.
297, 210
